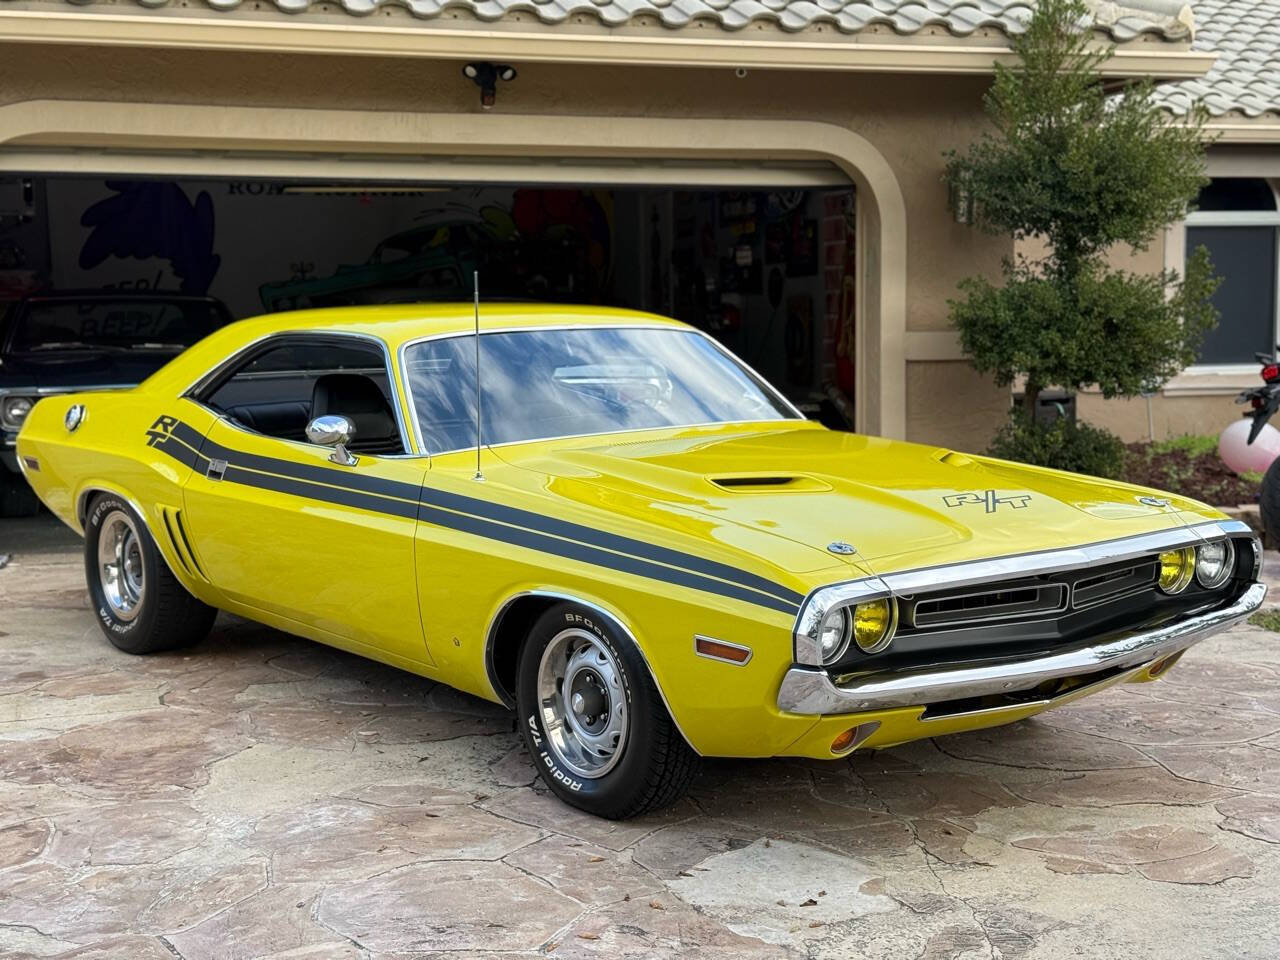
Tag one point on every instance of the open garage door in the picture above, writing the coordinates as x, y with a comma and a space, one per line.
764, 258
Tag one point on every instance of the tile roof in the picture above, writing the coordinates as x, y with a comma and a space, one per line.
1246, 77
1122, 21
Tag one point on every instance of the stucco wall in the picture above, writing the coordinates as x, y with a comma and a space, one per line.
1171, 416
909, 120
1191, 404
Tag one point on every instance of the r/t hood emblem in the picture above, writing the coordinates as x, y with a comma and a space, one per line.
988, 499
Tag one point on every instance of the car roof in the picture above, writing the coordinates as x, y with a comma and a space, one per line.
394, 324
397, 323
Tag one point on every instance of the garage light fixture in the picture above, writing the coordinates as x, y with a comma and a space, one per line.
486, 75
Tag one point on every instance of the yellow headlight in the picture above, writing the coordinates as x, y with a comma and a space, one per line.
1177, 567
873, 624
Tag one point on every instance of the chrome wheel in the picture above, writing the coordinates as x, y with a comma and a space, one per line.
120, 568
583, 703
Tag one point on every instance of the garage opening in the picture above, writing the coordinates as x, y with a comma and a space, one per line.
768, 269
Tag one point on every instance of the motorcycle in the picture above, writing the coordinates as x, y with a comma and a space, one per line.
1264, 401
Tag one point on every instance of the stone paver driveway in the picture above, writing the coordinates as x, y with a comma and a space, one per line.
261, 796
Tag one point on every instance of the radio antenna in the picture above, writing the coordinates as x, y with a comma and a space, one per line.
475, 277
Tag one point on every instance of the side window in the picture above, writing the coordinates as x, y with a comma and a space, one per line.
279, 390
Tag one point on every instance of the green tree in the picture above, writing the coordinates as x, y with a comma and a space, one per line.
1081, 167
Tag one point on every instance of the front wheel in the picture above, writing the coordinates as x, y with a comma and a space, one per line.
593, 719
141, 606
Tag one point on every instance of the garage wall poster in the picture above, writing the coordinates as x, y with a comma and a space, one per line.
263, 247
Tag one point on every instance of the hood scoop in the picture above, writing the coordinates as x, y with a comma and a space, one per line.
769, 483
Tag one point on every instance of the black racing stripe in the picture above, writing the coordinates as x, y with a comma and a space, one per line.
484, 528
585, 553
329, 476
314, 491
609, 541
182, 453
496, 531
187, 434
433, 506
502, 514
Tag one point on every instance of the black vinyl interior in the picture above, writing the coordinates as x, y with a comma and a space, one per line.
281, 404
286, 419
358, 398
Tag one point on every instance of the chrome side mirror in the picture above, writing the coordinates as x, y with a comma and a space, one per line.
334, 431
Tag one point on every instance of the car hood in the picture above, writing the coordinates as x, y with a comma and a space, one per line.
78, 369
900, 505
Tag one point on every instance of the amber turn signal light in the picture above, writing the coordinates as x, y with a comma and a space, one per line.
719, 650
841, 742
854, 736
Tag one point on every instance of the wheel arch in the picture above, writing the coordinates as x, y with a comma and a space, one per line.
511, 624
92, 489
164, 544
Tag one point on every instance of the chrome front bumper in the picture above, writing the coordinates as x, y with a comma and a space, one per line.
809, 690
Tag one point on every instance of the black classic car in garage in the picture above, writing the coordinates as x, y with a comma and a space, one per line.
76, 340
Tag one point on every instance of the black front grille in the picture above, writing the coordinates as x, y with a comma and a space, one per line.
1034, 615
1028, 599
1113, 584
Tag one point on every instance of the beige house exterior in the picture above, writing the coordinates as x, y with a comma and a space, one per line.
1241, 93
651, 93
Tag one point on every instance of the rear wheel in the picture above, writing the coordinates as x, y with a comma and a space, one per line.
141, 606
593, 719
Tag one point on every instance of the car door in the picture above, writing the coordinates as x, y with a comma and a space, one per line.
281, 527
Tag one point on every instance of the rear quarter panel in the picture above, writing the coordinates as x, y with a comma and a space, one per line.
109, 453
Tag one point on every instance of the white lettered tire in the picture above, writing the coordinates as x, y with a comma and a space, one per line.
139, 604
593, 721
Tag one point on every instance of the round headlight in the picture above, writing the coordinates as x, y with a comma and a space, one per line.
834, 639
1177, 567
14, 410
1214, 563
874, 623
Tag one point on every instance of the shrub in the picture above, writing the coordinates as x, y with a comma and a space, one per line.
1063, 445
1192, 444
1083, 167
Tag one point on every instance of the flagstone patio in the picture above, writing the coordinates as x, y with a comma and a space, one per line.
262, 796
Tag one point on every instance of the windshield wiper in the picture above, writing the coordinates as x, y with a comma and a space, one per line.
156, 346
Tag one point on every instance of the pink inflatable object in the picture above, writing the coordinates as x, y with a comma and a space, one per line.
1240, 455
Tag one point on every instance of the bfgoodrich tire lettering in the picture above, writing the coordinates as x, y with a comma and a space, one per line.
620, 754
139, 604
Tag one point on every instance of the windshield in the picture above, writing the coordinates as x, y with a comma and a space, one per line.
542, 384
105, 324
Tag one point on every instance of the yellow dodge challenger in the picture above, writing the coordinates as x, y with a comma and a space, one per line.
650, 555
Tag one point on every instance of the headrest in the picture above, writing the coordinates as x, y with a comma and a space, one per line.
358, 398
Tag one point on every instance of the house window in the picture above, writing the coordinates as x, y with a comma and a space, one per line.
1237, 221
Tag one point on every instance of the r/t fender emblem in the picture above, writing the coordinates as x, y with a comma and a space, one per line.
988, 499
159, 431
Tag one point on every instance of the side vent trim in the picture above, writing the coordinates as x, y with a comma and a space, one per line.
180, 544
173, 542
191, 554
